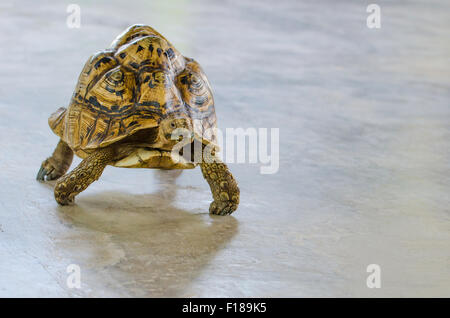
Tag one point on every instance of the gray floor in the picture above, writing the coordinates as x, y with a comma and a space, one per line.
364, 174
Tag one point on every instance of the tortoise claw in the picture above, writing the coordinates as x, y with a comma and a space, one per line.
44, 173
222, 207
41, 174
49, 171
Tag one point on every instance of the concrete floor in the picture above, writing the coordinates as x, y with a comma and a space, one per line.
364, 172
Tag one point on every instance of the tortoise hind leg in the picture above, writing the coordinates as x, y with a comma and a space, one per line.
88, 171
57, 165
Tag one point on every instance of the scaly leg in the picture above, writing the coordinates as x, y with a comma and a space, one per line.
223, 186
56, 165
88, 171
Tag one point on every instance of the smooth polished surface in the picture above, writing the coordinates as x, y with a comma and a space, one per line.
364, 178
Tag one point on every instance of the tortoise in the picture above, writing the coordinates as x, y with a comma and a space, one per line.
128, 104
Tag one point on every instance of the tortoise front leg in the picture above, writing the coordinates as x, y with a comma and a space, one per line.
55, 166
223, 186
88, 171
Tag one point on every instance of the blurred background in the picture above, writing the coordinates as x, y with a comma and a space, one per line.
364, 119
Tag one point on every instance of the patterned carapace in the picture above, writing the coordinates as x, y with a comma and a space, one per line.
131, 86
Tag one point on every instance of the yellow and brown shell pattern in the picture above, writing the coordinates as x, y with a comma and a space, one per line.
131, 86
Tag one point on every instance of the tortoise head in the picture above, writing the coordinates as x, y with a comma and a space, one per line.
174, 128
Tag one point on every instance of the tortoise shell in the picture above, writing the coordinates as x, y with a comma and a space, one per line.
131, 86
